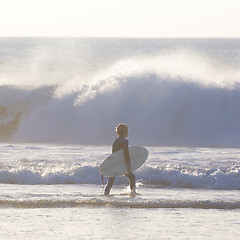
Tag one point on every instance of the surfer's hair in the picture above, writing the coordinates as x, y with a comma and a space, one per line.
121, 129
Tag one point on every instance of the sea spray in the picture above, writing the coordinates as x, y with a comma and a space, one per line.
176, 96
176, 110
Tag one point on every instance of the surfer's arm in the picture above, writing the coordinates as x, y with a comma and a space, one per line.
127, 159
119, 144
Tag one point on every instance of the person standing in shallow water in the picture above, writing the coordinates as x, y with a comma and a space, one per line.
121, 143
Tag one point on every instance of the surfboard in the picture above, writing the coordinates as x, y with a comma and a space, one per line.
115, 164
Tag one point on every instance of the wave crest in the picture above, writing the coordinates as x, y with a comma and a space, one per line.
161, 102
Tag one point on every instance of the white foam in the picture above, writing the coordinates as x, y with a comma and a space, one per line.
180, 177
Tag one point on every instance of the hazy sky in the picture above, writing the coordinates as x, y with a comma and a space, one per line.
120, 18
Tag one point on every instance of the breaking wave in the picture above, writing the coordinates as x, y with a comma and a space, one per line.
175, 99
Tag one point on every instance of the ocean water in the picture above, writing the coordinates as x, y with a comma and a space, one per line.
60, 100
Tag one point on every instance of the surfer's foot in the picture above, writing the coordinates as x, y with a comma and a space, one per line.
133, 190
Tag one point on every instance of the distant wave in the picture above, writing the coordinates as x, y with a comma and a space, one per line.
164, 177
177, 99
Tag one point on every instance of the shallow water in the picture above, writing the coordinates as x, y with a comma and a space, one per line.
116, 217
55, 191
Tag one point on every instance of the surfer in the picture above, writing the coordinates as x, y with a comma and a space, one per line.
121, 143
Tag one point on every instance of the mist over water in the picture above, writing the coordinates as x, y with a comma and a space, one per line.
169, 92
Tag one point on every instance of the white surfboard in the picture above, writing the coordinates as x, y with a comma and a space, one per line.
115, 164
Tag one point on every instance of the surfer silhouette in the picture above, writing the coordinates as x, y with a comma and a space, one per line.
121, 143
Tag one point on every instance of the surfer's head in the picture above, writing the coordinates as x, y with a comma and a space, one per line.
122, 130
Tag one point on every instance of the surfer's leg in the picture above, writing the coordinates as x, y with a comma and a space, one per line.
109, 185
131, 178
